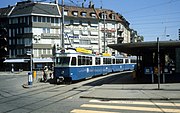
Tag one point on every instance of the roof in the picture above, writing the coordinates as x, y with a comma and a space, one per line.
5, 11
140, 48
30, 8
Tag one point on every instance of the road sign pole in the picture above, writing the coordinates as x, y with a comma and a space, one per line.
158, 64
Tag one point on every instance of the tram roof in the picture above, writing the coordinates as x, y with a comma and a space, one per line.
140, 48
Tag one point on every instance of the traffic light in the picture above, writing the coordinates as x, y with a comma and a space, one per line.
3, 43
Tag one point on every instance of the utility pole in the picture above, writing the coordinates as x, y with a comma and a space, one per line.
158, 63
62, 24
104, 31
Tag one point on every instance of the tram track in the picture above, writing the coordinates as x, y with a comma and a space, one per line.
70, 92
57, 93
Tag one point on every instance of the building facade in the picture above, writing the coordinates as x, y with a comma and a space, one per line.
36, 27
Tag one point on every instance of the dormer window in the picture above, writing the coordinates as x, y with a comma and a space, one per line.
112, 16
83, 14
93, 15
102, 15
75, 13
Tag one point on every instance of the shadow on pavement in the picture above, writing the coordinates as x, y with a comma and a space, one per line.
127, 78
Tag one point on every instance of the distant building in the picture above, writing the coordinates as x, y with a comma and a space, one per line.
36, 27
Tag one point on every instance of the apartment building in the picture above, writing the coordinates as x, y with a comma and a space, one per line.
36, 27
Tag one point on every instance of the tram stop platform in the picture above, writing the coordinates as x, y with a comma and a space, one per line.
135, 92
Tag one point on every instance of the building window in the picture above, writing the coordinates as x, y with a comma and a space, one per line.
9, 32
85, 42
93, 15
9, 21
35, 53
10, 42
46, 30
27, 30
39, 51
75, 13
39, 19
113, 16
28, 41
48, 19
65, 13
103, 16
20, 20
83, 14
52, 19
56, 20
15, 21
44, 51
13, 35
43, 19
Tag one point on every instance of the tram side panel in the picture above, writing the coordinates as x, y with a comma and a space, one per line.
82, 72
98, 70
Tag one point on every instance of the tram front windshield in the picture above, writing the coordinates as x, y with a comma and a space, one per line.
62, 61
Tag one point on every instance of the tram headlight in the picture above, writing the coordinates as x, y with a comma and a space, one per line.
62, 72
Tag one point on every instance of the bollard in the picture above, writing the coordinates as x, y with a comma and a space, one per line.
34, 76
30, 78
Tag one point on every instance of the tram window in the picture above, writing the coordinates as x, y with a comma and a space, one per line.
90, 60
114, 61
83, 60
79, 60
87, 61
97, 61
108, 61
126, 61
62, 60
133, 61
104, 60
73, 61
119, 61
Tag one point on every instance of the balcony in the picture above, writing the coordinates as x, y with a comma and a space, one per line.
49, 36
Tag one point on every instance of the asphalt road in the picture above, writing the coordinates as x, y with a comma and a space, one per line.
51, 98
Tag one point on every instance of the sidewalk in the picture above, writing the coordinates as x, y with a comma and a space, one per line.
17, 73
135, 92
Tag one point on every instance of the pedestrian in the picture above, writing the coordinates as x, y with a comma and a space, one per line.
45, 73
12, 68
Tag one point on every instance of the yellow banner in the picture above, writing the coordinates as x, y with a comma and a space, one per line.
82, 50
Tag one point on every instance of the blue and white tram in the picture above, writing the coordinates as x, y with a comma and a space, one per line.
130, 63
71, 65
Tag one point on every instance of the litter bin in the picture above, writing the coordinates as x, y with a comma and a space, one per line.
30, 79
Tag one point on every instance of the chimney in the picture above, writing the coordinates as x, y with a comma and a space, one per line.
56, 1
91, 5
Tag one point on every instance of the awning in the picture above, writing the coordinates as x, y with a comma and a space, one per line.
42, 60
16, 60
141, 48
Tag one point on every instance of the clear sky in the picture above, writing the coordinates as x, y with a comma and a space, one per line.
150, 18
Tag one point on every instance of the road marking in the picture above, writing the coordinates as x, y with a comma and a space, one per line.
151, 109
128, 105
90, 111
135, 102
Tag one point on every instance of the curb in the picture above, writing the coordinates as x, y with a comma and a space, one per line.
27, 86
106, 99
